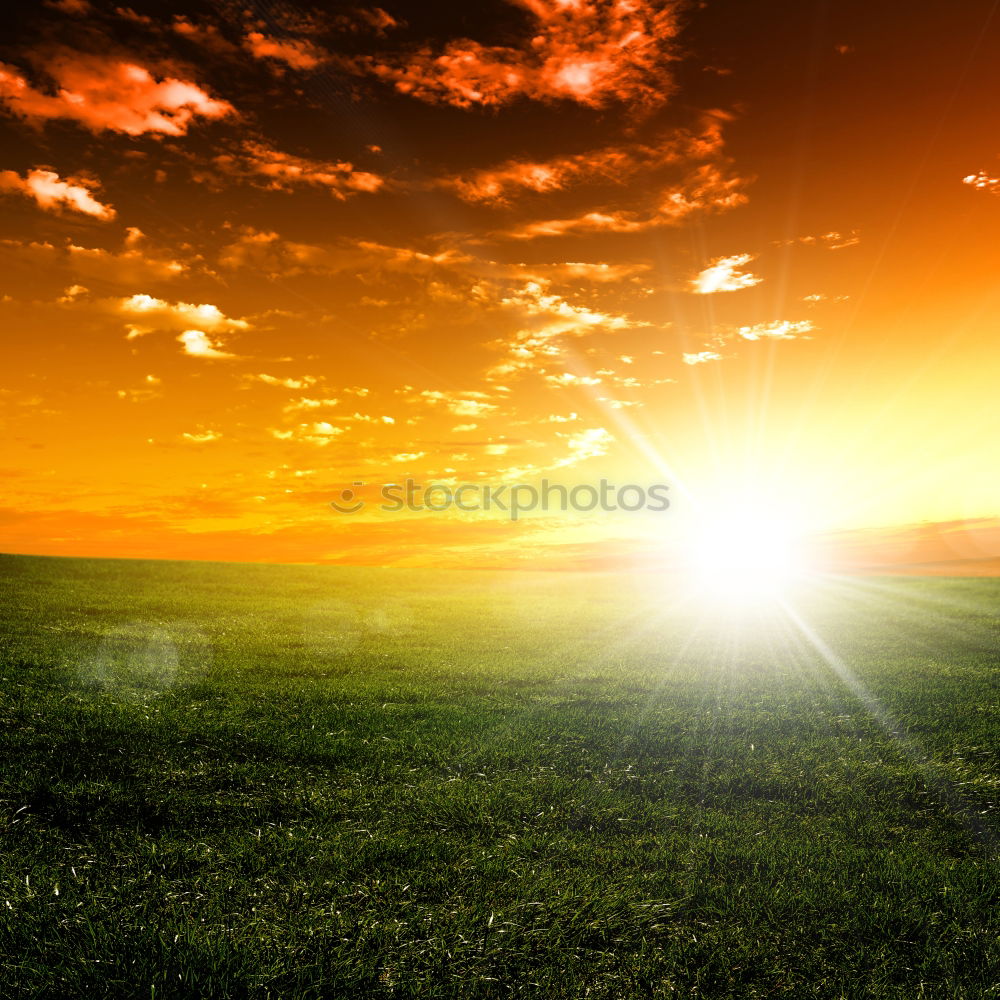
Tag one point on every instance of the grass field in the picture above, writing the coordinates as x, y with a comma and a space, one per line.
262, 781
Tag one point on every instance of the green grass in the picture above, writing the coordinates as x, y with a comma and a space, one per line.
254, 781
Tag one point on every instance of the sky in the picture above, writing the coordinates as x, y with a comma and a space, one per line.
254, 255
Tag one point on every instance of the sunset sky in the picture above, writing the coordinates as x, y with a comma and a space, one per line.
255, 253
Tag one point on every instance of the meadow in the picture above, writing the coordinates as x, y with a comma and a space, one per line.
321, 782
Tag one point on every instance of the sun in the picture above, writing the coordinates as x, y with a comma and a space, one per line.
745, 550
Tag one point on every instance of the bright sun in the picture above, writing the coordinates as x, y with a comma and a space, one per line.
742, 551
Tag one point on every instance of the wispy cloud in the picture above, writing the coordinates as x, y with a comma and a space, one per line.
617, 163
833, 240
707, 189
278, 171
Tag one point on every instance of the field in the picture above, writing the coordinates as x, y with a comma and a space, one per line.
263, 781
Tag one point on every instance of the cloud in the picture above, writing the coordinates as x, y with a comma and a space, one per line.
102, 93
832, 240
597, 271
547, 318
309, 404
499, 185
568, 378
287, 383
590, 443
294, 52
198, 344
592, 52
782, 329
468, 404
201, 437
535, 299
724, 274
149, 313
134, 263
779, 330
72, 293
276, 171
982, 181
408, 259
707, 189
268, 253
75, 8
319, 433
701, 357
53, 194
620, 404
204, 34
377, 19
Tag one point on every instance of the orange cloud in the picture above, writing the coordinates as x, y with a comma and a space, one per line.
72, 7
268, 253
707, 189
782, 329
589, 51
548, 318
107, 94
725, 274
497, 185
148, 313
320, 433
468, 404
279, 171
201, 437
590, 443
198, 344
207, 35
52, 193
982, 181
597, 271
700, 357
135, 263
379, 20
779, 330
294, 52
832, 240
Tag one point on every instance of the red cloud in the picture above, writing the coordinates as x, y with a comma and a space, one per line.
106, 94
588, 51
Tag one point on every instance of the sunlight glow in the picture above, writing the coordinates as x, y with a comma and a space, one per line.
742, 552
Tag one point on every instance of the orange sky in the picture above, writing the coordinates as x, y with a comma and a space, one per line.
251, 257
